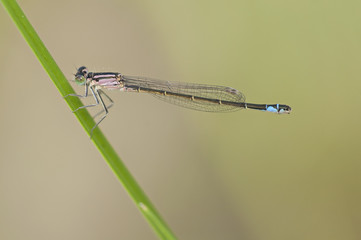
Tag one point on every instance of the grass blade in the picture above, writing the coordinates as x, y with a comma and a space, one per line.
102, 144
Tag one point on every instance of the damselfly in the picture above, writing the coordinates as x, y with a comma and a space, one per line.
201, 97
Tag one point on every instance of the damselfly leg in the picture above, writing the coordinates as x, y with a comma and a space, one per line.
108, 107
97, 94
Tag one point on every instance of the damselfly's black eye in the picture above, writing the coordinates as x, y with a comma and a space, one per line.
82, 71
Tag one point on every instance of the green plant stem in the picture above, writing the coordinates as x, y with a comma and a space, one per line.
102, 144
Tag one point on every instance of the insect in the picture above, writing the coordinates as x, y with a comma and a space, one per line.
201, 97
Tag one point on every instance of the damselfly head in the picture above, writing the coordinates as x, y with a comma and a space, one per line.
81, 75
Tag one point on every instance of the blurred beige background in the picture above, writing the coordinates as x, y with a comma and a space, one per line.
243, 175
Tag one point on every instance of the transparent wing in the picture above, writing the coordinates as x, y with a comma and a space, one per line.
188, 95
